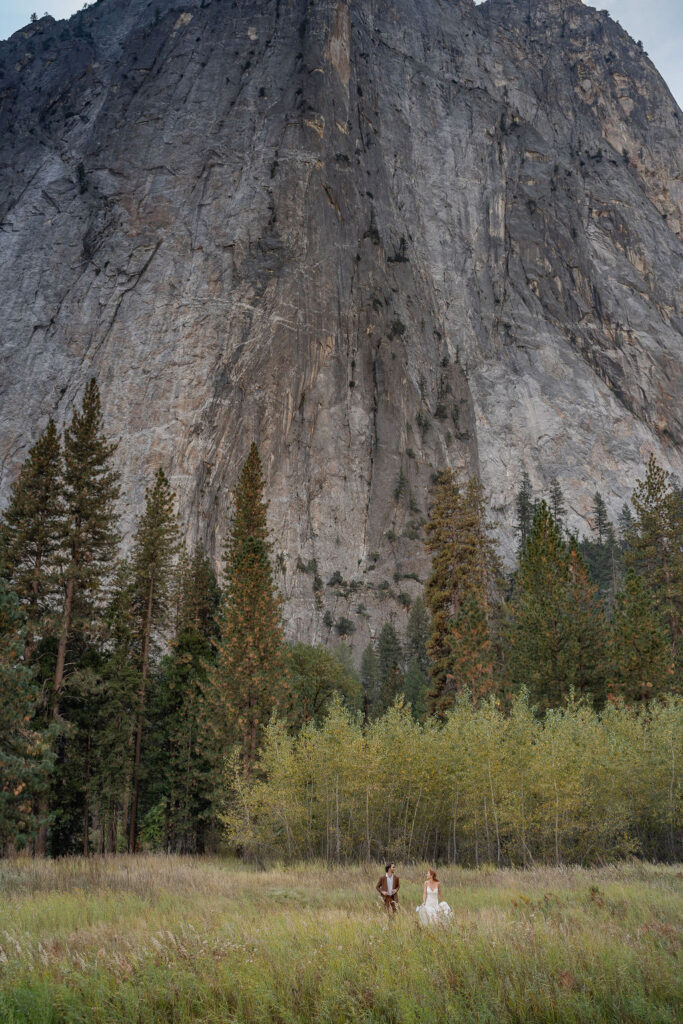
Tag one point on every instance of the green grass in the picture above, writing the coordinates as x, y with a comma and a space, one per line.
160, 939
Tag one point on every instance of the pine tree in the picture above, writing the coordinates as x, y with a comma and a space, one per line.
154, 550
461, 593
89, 540
602, 554
389, 652
415, 687
31, 532
87, 545
178, 772
558, 506
416, 676
555, 630
249, 679
654, 546
369, 677
24, 752
417, 635
640, 651
524, 510
585, 632
600, 520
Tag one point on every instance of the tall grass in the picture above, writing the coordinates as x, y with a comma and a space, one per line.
153, 939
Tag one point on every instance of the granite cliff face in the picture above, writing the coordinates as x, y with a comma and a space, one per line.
378, 237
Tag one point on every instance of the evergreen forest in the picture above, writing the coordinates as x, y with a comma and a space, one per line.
517, 715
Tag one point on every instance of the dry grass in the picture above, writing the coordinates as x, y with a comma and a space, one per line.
152, 939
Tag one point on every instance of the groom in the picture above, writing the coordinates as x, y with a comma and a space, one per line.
387, 887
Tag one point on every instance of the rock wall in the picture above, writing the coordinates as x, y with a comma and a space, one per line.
376, 237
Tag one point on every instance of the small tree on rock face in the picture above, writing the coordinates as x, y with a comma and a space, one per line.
154, 551
249, 680
640, 651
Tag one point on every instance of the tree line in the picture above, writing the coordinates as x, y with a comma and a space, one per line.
487, 785
127, 680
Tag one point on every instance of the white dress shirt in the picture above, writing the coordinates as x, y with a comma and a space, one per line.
390, 884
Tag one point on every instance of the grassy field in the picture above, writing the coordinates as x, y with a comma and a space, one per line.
156, 939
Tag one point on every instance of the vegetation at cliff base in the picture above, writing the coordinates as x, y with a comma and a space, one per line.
513, 716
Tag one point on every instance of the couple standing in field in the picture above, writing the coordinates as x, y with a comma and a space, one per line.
433, 907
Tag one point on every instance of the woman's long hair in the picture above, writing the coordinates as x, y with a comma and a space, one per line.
432, 872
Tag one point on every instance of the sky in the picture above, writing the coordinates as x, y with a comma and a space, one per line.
658, 23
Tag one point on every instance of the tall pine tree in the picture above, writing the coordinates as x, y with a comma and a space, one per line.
88, 541
654, 546
90, 538
389, 662
24, 752
640, 660
461, 593
154, 550
555, 629
249, 679
179, 775
524, 510
32, 530
558, 506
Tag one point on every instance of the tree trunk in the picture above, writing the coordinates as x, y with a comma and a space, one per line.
61, 649
53, 710
132, 827
40, 849
86, 807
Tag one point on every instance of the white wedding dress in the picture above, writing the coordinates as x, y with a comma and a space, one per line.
432, 910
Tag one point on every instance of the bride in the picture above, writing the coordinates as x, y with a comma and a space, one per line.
433, 908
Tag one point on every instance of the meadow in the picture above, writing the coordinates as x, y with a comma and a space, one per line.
177, 940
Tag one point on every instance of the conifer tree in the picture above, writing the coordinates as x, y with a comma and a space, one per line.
555, 630
89, 538
558, 506
369, 677
416, 677
24, 752
415, 687
31, 532
600, 520
524, 510
601, 553
417, 635
461, 593
249, 679
585, 632
655, 545
154, 550
178, 773
640, 651
87, 545
389, 652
